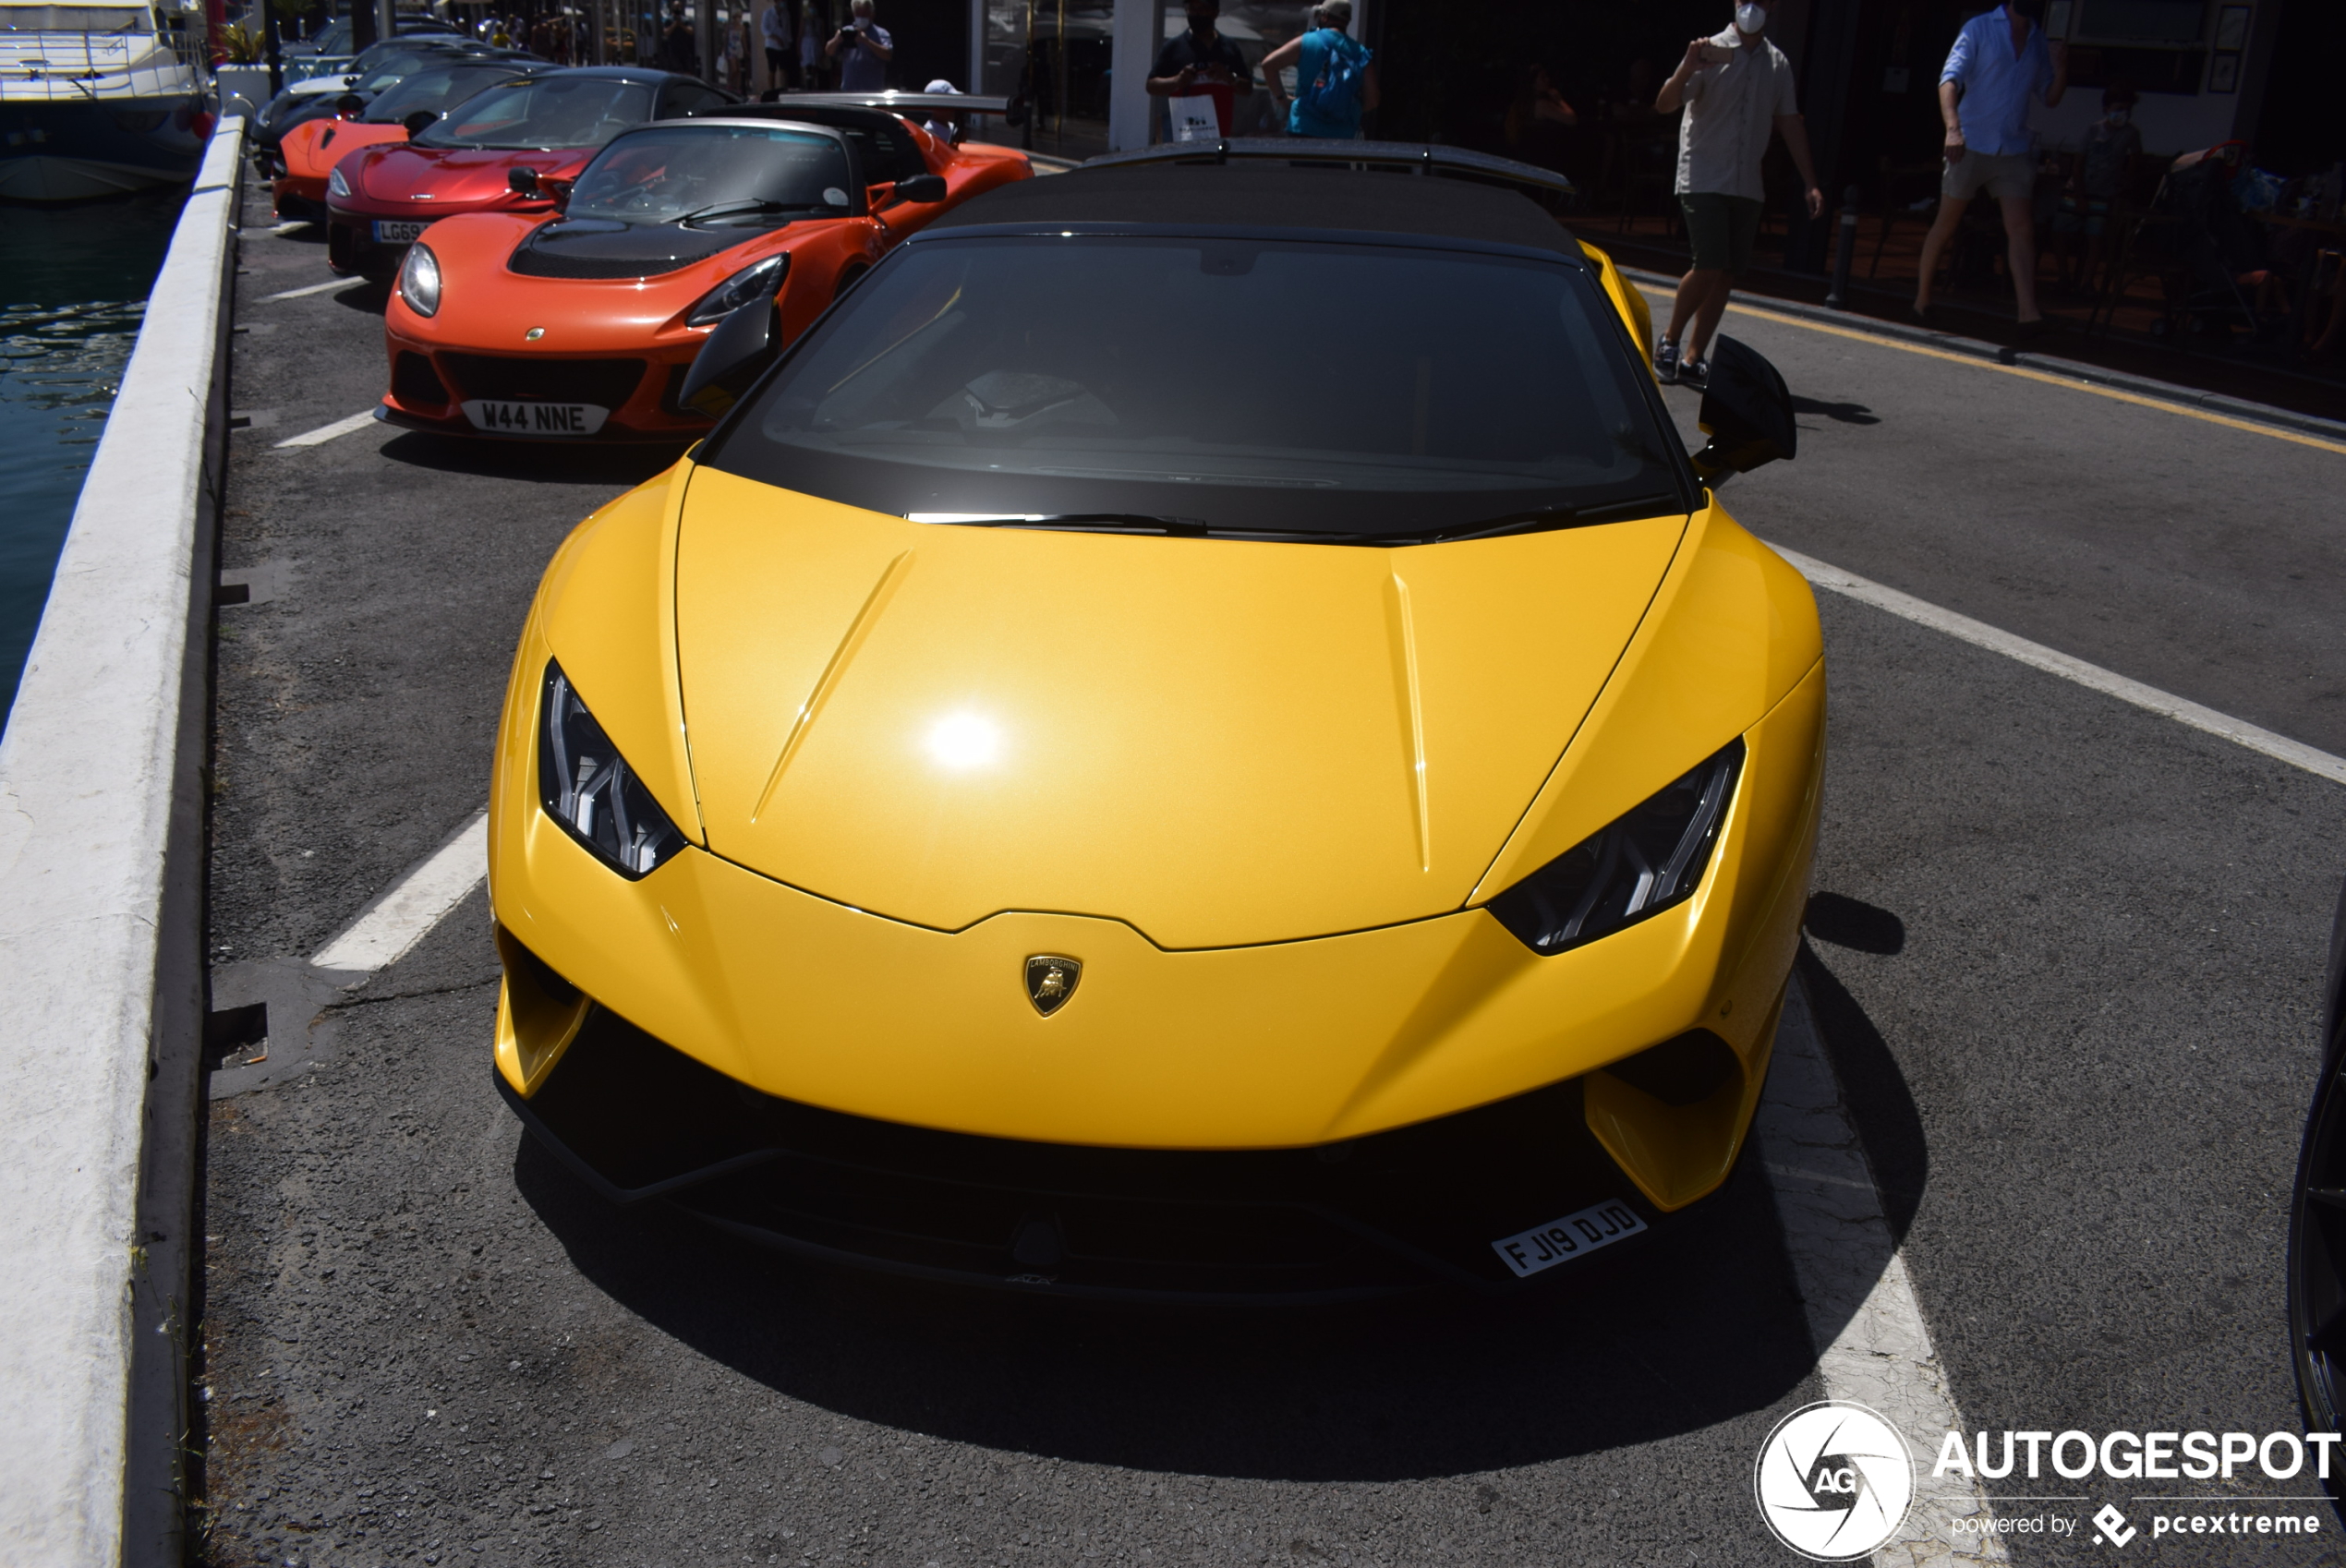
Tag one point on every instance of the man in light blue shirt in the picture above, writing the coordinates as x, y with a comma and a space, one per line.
2000, 66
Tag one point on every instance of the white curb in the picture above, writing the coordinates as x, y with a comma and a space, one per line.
100, 831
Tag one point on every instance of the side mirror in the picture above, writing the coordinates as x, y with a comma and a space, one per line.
523, 182
348, 104
1746, 411
419, 119
921, 187
734, 354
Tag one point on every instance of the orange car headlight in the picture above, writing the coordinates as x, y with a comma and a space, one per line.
419, 281
759, 280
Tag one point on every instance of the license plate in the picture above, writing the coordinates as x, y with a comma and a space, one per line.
401, 233
535, 418
1574, 1235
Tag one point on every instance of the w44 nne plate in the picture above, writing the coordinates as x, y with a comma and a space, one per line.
535, 418
1574, 1235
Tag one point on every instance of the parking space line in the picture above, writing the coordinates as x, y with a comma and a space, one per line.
313, 288
1873, 1346
1880, 341
324, 433
417, 902
2054, 662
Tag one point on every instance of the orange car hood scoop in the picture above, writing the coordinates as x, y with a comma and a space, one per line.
601, 247
1221, 742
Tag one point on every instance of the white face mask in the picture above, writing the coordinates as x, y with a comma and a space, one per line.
1750, 17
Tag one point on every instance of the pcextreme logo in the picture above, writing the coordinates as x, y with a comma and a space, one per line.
1834, 1480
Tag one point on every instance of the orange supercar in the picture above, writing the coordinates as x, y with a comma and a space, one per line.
312, 148
582, 324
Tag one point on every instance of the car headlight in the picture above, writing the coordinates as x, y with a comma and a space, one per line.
587, 787
336, 183
419, 280
1643, 863
750, 282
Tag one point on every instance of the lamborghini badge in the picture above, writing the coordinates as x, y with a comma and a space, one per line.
1050, 980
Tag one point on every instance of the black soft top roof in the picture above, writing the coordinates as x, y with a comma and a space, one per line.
1253, 196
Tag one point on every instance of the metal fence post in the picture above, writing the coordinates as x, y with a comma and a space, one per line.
1845, 250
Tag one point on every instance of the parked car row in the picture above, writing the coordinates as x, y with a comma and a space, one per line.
588, 229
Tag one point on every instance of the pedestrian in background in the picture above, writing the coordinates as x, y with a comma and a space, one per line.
810, 48
781, 60
1738, 92
2000, 66
1335, 76
2111, 146
861, 49
1199, 61
679, 49
944, 124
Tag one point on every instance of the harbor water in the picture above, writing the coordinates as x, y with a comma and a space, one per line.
73, 290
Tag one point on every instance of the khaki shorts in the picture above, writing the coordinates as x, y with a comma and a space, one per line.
2010, 176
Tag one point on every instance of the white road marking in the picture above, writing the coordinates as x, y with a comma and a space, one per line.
313, 288
1873, 1346
2054, 662
417, 902
328, 432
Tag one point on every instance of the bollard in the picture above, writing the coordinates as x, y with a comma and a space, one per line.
1845, 250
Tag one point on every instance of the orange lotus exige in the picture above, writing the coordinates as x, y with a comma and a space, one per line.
584, 324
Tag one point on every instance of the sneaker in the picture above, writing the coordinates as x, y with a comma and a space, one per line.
1665, 363
1695, 373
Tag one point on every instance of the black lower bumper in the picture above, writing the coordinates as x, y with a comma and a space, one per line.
1415, 1208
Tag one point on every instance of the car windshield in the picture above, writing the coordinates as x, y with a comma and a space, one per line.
1258, 387
728, 174
558, 111
72, 19
435, 90
392, 69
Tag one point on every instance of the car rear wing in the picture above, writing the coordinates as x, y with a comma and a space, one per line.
1544, 185
901, 102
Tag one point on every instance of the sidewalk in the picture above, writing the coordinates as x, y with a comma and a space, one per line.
2247, 372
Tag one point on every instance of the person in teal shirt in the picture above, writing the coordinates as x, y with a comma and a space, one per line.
1335, 77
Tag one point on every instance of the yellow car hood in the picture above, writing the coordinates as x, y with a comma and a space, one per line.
1218, 743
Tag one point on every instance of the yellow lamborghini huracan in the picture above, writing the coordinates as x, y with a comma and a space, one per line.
1199, 735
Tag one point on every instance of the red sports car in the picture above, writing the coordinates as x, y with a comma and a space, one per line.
583, 325
551, 124
309, 151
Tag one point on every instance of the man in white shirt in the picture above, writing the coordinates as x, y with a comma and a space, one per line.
1737, 90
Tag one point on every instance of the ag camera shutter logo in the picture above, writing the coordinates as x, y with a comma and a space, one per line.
1834, 1480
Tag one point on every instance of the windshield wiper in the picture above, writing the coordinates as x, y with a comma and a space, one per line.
727, 208
1547, 517
1086, 521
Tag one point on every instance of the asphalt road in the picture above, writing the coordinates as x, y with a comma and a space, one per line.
2067, 973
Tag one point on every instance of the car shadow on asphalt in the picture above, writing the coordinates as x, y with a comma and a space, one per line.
535, 461
1872, 1086
1839, 413
369, 299
1704, 1327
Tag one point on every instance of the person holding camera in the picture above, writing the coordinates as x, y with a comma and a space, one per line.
861, 49
1737, 90
1200, 62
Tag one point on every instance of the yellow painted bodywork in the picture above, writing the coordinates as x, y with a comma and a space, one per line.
1260, 790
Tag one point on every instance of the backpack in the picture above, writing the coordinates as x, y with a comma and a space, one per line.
1334, 93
